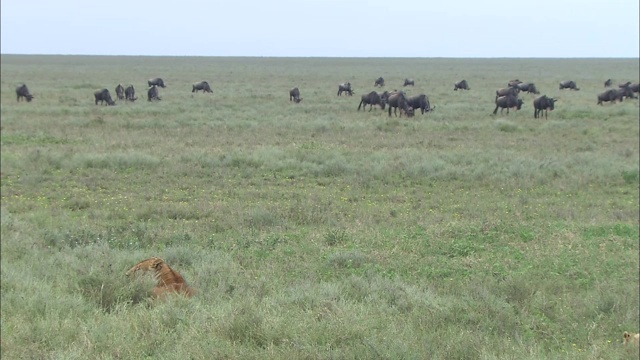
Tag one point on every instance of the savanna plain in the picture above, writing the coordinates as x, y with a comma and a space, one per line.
313, 230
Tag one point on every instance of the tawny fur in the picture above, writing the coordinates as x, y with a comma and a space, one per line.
169, 280
631, 338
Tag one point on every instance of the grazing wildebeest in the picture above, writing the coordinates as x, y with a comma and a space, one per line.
514, 83
346, 87
294, 95
399, 100
528, 87
507, 102
635, 87
130, 93
420, 102
379, 82
608, 83
462, 85
408, 82
152, 93
22, 91
104, 96
372, 98
508, 91
542, 103
410, 112
625, 84
156, 82
202, 85
120, 92
610, 95
568, 84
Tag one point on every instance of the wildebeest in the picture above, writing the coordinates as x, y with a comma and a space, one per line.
104, 96
463, 85
372, 98
22, 91
528, 87
420, 102
514, 83
568, 84
542, 103
507, 102
508, 91
399, 100
152, 93
346, 87
625, 91
610, 95
156, 82
120, 92
130, 93
294, 95
608, 83
202, 85
379, 82
408, 82
635, 87
410, 112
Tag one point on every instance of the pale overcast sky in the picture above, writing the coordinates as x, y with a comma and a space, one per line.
347, 28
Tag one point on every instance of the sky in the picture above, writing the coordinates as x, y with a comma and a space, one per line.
323, 28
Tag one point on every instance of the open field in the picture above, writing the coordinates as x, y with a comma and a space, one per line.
312, 230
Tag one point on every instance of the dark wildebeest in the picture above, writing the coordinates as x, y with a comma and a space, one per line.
462, 85
294, 95
130, 93
420, 102
384, 97
372, 98
507, 102
528, 87
152, 93
399, 100
635, 87
346, 87
625, 91
202, 85
608, 83
156, 82
508, 91
542, 103
120, 92
568, 84
408, 82
625, 84
379, 82
609, 95
514, 83
22, 91
104, 96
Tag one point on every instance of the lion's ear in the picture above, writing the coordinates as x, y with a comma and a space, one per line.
626, 335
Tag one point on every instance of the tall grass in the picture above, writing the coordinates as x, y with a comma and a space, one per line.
313, 230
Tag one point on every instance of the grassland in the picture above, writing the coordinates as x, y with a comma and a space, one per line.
313, 231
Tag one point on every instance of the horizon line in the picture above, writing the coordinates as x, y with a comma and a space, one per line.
330, 57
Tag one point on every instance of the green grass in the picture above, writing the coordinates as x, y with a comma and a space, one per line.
312, 230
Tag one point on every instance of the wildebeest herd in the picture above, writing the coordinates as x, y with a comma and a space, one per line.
506, 98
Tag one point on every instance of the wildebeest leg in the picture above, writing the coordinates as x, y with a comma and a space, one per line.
495, 111
370, 106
